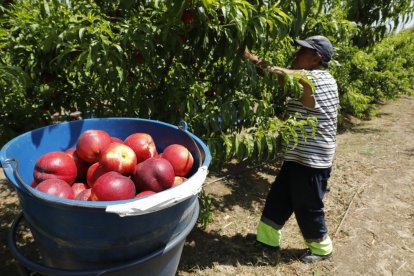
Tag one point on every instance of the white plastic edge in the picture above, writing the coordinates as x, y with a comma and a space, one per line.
164, 199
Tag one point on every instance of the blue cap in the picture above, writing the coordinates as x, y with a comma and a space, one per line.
319, 43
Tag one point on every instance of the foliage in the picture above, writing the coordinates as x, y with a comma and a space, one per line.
375, 18
143, 60
183, 60
206, 209
369, 77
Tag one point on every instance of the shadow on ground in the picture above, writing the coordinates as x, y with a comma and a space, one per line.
9, 208
208, 249
246, 185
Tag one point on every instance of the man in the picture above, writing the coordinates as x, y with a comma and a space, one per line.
301, 183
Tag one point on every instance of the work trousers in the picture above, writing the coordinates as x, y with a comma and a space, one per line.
300, 190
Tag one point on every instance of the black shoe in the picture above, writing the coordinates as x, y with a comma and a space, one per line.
263, 252
252, 239
308, 257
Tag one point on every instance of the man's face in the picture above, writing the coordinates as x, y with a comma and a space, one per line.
307, 59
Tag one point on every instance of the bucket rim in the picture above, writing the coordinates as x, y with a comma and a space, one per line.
205, 148
30, 191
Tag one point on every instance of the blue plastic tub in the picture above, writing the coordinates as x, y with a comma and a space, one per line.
162, 262
75, 234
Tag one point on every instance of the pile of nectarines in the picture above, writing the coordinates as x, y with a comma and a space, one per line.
105, 168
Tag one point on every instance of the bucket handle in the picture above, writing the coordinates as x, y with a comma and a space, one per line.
27, 188
183, 126
8, 161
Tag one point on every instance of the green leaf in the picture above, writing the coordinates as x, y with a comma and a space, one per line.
259, 145
208, 4
249, 144
46, 7
89, 60
240, 154
120, 73
269, 144
227, 145
81, 33
236, 144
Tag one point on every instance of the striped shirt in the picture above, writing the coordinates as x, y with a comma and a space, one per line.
317, 151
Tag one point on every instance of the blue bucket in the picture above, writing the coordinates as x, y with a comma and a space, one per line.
72, 234
162, 262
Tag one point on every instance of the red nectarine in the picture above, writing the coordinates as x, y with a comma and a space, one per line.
154, 174
78, 187
84, 195
145, 193
94, 172
81, 165
180, 158
56, 187
119, 158
187, 16
55, 164
116, 139
91, 143
113, 186
179, 180
143, 145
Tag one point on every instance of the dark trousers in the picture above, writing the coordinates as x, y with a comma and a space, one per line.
299, 189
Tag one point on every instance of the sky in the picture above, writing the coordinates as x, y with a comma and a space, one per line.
408, 25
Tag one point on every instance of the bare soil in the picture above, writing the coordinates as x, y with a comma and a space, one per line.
369, 209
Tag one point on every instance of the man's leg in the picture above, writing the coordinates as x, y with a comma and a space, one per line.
277, 210
308, 190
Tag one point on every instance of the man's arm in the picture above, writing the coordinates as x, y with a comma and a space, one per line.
307, 99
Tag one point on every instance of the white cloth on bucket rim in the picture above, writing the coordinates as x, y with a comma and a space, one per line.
164, 199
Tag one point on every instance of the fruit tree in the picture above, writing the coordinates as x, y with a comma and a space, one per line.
175, 60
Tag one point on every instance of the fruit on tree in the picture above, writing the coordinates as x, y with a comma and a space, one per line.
55, 164
81, 165
210, 93
119, 158
154, 174
56, 187
220, 16
183, 39
142, 144
113, 186
91, 143
47, 77
139, 57
180, 158
187, 17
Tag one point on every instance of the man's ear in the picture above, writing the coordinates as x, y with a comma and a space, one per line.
318, 57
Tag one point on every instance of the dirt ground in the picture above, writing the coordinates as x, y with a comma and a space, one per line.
369, 209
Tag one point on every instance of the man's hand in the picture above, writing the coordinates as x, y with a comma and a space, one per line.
307, 99
251, 57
